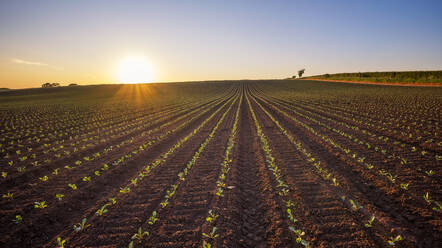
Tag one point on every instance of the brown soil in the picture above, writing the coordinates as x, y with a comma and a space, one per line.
251, 213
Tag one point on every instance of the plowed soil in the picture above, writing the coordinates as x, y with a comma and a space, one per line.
379, 157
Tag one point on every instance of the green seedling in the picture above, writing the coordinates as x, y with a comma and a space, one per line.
164, 203
335, 182
355, 206
211, 217
4, 174
283, 192
393, 240
153, 218
291, 217
73, 186
102, 210
86, 179
206, 244
60, 242
404, 186
17, 219
125, 190
438, 207
8, 195
97, 173
134, 181
427, 198
44, 178
299, 235
139, 235
113, 201
212, 234
40, 204
370, 222
219, 192
430, 172
81, 226
59, 196
289, 204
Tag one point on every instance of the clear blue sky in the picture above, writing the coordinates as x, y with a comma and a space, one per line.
82, 41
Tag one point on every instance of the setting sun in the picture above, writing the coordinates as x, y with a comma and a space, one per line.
134, 71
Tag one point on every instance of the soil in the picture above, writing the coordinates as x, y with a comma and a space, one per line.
251, 213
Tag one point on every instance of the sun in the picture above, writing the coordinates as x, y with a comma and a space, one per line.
134, 71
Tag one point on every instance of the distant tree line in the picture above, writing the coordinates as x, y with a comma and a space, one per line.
389, 76
52, 85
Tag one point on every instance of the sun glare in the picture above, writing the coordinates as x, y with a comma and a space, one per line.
135, 71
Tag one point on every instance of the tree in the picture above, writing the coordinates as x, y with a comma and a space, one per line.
50, 85
73, 84
294, 77
300, 72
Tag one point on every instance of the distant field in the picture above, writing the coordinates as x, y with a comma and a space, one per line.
282, 163
415, 77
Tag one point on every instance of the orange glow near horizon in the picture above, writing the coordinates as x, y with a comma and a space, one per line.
138, 93
135, 70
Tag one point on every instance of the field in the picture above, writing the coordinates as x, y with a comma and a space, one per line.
408, 77
284, 163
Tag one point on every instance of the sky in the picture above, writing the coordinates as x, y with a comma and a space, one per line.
84, 41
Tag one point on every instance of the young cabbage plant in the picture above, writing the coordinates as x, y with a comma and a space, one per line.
124, 190
81, 226
40, 205
207, 244
153, 218
102, 210
140, 235
212, 234
134, 181
8, 195
427, 198
299, 235
355, 206
370, 222
393, 240
59, 196
430, 172
17, 219
73, 186
113, 201
291, 217
44, 178
404, 186
211, 217
438, 207
60, 242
